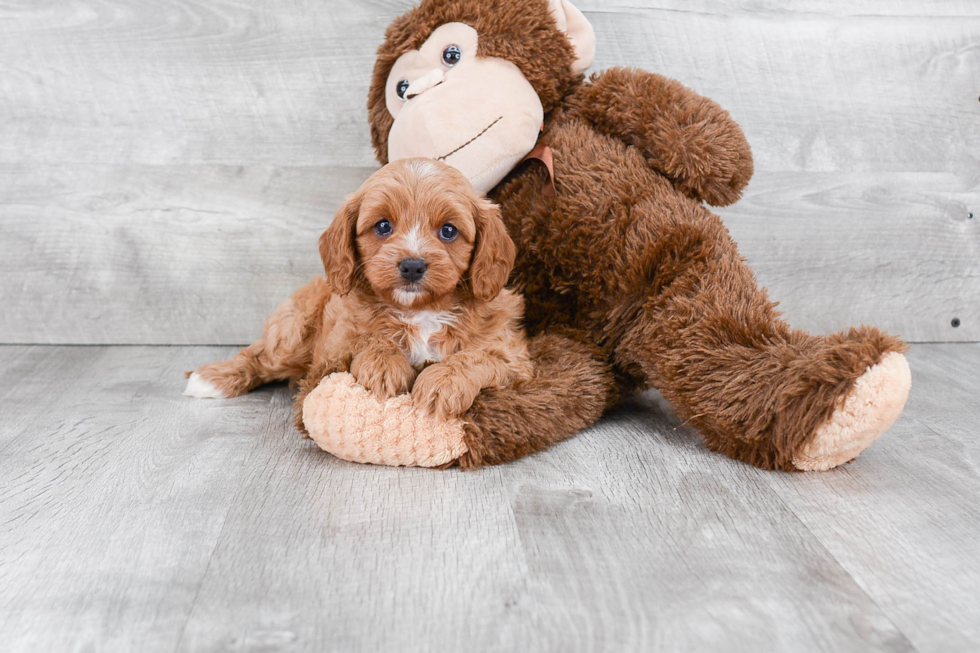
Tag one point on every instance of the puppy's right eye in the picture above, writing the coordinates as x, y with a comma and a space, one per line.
383, 228
448, 232
401, 88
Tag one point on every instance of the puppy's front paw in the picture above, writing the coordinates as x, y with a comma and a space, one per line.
383, 376
442, 392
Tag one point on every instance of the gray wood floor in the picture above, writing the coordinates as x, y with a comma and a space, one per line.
134, 519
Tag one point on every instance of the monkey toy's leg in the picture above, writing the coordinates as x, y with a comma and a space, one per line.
710, 340
283, 353
570, 389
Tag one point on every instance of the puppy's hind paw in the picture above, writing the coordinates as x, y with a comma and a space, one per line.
200, 388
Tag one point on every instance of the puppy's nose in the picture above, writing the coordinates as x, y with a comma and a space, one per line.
412, 269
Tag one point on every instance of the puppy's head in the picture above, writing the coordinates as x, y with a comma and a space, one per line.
415, 233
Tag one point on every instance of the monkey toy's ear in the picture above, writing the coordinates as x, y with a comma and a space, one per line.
579, 31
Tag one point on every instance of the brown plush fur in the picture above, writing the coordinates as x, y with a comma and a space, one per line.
630, 281
445, 337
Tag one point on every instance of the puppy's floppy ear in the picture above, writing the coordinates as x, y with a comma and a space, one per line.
338, 248
493, 256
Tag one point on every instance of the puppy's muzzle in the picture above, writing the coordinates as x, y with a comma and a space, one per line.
412, 269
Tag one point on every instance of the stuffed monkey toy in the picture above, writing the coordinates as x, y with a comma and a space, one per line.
630, 281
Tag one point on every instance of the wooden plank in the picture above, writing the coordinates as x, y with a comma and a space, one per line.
904, 518
818, 85
164, 81
630, 537
202, 254
900, 251
822, 85
146, 254
113, 490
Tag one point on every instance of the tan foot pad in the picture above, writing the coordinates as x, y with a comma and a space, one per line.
869, 410
345, 420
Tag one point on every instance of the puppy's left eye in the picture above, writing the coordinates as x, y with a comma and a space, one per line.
382, 228
448, 232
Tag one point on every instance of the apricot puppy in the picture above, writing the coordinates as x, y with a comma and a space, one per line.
413, 301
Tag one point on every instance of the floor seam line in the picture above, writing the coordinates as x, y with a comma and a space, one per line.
218, 539
840, 565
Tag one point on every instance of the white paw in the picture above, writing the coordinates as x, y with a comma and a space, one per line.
201, 388
872, 406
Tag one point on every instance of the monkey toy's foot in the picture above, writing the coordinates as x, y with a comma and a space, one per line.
867, 411
345, 420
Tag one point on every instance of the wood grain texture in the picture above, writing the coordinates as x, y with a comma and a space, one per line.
173, 81
170, 254
897, 250
166, 166
553, 553
136, 519
202, 254
113, 492
904, 519
819, 85
822, 85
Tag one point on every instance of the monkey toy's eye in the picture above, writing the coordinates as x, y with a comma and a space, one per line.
451, 55
448, 232
401, 88
383, 228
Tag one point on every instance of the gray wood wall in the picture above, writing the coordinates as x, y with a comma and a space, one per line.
166, 165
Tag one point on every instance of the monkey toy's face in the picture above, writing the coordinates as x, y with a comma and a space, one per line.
476, 112
479, 115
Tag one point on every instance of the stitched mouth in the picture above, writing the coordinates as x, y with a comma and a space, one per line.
485, 130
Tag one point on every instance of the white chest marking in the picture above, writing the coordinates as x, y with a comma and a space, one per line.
418, 346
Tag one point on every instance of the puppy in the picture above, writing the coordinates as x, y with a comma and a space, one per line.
413, 300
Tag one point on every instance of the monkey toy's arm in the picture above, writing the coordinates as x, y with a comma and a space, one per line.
684, 136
